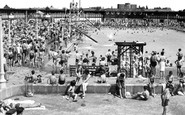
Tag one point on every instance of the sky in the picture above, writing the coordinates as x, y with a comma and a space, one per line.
173, 4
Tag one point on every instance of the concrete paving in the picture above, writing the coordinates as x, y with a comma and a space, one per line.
103, 104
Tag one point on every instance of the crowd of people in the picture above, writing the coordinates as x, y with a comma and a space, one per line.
140, 23
32, 42
28, 45
28, 42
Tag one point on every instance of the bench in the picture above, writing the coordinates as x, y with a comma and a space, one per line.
92, 70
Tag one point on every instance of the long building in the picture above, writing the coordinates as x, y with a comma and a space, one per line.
93, 13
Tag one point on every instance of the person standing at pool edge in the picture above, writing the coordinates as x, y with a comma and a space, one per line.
179, 63
165, 95
85, 78
162, 65
109, 55
120, 84
179, 54
153, 63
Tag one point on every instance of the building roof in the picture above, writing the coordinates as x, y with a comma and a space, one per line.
130, 43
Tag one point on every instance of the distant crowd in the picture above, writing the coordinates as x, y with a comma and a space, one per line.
36, 42
135, 23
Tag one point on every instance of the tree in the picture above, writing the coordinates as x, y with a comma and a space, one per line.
47, 8
6, 7
146, 7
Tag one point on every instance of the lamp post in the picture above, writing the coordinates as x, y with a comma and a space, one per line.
10, 17
2, 78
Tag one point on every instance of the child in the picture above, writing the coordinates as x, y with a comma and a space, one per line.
165, 95
29, 93
142, 95
39, 79
29, 80
181, 75
180, 88
169, 77
78, 73
62, 77
151, 86
34, 77
102, 75
171, 87
147, 70
169, 82
135, 69
120, 84
71, 91
52, 78
179, 64
85, 78
19, 110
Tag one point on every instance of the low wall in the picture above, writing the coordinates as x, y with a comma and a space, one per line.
48, 89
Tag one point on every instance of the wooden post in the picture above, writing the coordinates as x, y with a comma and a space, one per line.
9, 36
119, 56
131, 60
